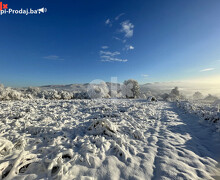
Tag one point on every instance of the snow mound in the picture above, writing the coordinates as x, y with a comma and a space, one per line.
102, 126
138, 134
5, 146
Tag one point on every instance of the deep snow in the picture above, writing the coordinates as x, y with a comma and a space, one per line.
105, 139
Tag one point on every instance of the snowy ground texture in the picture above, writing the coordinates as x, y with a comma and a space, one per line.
105, 139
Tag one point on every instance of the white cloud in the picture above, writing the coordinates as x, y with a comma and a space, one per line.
107, 56
104, 47
131, 47
117, 38
122, 40
208, 69
128, 47
127, 28
112, 59
108, 53
145, 75
53, 57
108, 22
117, 17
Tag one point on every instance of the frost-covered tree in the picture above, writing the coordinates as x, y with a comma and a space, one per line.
197, 95
175, 92
96, 91
131, 88
173, 95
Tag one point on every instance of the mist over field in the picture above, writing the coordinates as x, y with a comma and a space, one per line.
187, 88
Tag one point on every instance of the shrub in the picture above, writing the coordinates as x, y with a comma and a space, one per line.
131, 89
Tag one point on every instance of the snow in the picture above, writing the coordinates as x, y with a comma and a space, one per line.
105, 139
205, 112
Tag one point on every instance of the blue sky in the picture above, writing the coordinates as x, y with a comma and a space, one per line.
79, 41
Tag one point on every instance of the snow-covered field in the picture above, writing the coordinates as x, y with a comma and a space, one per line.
209, 113
105, 139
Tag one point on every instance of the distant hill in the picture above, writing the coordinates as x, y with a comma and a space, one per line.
155, 88
74, 87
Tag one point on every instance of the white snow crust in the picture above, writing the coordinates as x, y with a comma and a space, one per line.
105, 139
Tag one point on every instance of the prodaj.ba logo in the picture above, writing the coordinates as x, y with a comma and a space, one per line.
4, 9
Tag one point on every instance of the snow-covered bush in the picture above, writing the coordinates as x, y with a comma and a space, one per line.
81, 95
102, 126
130, 89
10, 94
66, 95
14, 94
98, 91
52, 94
34, 91
205, 112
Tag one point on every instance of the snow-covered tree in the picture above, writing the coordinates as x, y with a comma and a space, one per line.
131, 88
197, 95
174, 94
96, 91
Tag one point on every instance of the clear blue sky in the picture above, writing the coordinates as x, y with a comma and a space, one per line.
147, 40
